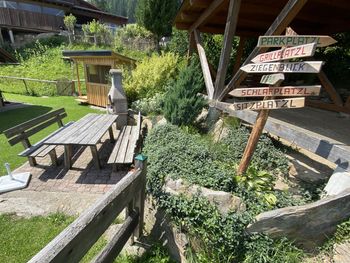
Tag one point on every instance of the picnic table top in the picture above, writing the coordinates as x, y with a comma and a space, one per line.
86, 131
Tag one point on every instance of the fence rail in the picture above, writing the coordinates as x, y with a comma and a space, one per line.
74, 242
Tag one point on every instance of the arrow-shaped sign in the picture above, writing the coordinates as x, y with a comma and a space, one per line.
272, 79
284, 67
280, 41
287, 91
269, 104
286, 53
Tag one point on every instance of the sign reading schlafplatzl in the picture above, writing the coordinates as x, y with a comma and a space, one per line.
280, 41
284, 67
269, 104
285, 91
286, 53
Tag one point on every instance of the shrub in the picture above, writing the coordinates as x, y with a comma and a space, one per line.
152, 75
149, 106
182, 104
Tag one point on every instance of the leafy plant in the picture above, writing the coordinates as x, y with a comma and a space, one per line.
256, 180
69, 22
148, 106
182, 104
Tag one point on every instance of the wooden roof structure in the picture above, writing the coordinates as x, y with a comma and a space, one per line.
320, 17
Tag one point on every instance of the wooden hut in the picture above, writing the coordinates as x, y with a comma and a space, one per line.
97, 64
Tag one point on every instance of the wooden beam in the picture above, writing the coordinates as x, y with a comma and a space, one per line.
327, 106
230, 30
239, 54
204, 64
206, 14
328, 86
191, 43
286, 16
347, 103
78, 78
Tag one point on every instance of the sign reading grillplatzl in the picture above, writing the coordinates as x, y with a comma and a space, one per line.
280, 41
269, 104
285, 91
286, 53
284, 67
272, 79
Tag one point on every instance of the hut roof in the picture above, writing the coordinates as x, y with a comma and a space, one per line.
80, 55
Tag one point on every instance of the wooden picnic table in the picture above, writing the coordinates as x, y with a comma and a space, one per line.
87, 131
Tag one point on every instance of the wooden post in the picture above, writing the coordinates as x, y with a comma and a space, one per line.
27, 145
191, 44
78, 77
254, 137
230, 30
239, 54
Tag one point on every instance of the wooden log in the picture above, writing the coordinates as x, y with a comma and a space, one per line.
328, 86
290, 10
230, 29
74, 242
204, 64
240, 50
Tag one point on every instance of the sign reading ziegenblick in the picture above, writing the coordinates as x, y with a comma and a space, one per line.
284, 67
269, 104
286, 53
279, 41
299, 91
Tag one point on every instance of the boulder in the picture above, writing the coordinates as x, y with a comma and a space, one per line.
224, 201
309, 225
339, 182
218, 130
341, 253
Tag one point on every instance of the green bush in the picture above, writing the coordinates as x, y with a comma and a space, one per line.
152, 75
182, 104
149, 106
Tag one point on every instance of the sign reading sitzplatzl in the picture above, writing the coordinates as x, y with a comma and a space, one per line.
286, 53
285, 91
284, 67
280, 41
269, 104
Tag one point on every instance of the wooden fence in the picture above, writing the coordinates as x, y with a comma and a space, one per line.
74, 242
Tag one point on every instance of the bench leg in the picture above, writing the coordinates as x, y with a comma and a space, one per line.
53, 157
32, 161
111, 136
68, 156
95, 156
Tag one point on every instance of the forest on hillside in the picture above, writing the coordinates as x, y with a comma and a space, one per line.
118, 7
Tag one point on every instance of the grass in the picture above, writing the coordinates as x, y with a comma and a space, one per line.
40, 105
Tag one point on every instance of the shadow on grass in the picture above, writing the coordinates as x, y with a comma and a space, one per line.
14, 117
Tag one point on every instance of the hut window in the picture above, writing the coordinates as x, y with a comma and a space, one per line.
97, 73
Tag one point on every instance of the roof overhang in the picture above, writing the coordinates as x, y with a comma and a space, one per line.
81, 55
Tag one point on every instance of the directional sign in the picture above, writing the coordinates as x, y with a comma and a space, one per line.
269, 104
272, 79
286, 53
286, 91
284, 67
279, 41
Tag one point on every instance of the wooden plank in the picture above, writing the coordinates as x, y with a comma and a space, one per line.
124, 145
206, 14
74, 242
204, 64
105, 123
68, 152
286, 53
279, 41
239, 54
130, 151
328, 86
115, 246
285, 17
95, 157
92, 130
42, 151
324, 147
28, 124
272, 79
284, 67
112, 158
327, 106
230, 29
286, 91
292, 103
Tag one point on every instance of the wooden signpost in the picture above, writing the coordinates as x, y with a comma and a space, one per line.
280, 41
286, 91
272, 79
269, 104
286, 53
284, 67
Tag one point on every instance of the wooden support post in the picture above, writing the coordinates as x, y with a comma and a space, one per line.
204, 64
290, 10
239, 54
347, 103
27, 145
328, 86
68, 156
230, 30
95, 157
53, 157
254, 137
111, 136
78, 78
191, 44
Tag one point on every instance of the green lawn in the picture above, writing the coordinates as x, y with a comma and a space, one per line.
40, 105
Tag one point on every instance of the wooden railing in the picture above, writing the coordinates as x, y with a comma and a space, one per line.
75, 241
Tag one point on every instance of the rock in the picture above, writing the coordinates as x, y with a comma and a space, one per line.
219, 130
202, 116
339, 181
341, 253
281, 185
147, 123
309, 225
224, 201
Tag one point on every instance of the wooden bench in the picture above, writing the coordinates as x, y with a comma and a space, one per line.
126, 143
23, 131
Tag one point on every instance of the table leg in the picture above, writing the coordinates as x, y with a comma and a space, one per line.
95, 156
111, 136
68, 156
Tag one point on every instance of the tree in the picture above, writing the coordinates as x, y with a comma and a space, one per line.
157, 16
69, 22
